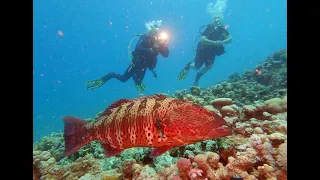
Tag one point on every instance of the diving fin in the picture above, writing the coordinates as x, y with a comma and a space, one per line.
92, 81
140, 87
98, 82
183, 74
95, 86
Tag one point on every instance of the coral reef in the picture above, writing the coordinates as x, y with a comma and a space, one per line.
255, 107
248, 87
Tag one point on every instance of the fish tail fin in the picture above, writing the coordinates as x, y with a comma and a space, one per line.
75, 134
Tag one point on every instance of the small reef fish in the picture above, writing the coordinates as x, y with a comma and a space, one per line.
155, 121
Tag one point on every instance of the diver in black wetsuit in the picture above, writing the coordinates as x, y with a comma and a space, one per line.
210, 46
144, 56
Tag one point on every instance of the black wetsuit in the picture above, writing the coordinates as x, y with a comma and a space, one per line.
142, 59
206, 54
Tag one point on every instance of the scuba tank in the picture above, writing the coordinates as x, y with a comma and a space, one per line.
129, 46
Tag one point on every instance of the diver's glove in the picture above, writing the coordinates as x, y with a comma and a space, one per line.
96, 83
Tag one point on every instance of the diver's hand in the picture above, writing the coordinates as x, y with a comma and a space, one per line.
156, 46
165, 44
205, 41
154, 49
217, 42
212, 43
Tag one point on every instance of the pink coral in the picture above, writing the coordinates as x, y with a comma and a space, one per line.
187, 171
194, 173
210, 165
184, 166
176, 177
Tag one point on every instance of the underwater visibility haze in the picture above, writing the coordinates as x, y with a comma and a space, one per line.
181, 90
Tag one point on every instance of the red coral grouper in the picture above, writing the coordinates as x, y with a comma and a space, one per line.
154, 121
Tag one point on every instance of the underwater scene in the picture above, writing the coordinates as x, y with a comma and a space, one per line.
160, 90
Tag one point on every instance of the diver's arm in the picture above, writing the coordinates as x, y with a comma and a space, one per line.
227, 40
206, 41
163, 49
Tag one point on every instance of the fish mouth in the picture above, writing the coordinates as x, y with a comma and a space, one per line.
223, 128
220, 131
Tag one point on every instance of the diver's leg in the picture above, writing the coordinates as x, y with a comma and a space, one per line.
99, 82
207, 67
191, 65
126, 75
198, 62
201, 73
137, 79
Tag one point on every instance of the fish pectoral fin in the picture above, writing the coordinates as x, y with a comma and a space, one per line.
110, 151
159, 151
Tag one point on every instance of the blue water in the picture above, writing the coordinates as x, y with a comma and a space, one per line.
95, 40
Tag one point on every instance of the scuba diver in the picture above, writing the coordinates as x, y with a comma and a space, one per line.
210, 46
144, 57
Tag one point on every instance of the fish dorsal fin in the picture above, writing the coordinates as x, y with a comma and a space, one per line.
159, 96
155, 96
115, 104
